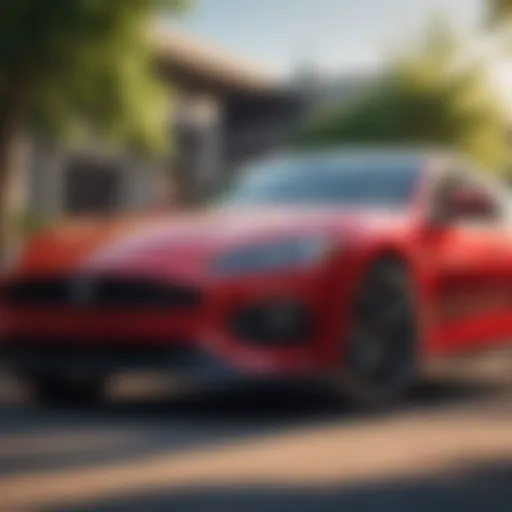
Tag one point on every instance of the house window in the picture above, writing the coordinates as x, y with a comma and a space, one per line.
92, 187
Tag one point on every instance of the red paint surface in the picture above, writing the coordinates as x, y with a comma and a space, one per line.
461, 277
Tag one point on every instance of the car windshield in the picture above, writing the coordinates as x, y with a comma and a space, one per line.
311, 182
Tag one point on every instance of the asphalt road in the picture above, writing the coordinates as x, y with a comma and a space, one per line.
273, 448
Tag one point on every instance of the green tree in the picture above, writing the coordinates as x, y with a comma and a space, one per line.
73, 68
429, 97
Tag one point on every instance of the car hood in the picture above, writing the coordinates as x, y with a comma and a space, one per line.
185, 242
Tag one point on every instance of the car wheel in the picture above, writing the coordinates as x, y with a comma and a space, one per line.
59, 390
380, 362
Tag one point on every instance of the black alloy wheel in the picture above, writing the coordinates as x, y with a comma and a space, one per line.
380, 364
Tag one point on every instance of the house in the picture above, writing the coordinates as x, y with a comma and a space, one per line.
223, 112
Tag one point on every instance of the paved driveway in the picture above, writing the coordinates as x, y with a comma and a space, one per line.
263, 449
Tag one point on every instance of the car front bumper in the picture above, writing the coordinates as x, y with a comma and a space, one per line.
201, 341
186, 362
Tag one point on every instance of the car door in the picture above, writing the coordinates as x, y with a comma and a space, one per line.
467, 265
499, 322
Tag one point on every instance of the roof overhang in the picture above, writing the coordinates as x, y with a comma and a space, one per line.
197, 64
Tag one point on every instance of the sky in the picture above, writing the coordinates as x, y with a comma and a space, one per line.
332, 35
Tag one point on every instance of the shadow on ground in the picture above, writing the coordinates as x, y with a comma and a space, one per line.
125, 430
480, 487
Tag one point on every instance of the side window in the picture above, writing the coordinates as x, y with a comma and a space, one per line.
462, 197
492, 208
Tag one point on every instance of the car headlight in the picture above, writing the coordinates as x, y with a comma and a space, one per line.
282, 254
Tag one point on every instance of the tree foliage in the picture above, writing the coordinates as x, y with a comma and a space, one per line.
74, 66
78, 71
426, 98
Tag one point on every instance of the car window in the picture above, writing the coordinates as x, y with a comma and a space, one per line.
320, 181
464, 179
498, 191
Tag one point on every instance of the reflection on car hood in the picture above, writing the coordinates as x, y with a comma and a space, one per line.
192, 238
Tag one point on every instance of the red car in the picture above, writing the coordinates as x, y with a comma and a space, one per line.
351, 265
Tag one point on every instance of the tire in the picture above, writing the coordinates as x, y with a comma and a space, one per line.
380, 363
66, 391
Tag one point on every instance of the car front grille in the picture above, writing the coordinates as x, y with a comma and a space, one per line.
100, 292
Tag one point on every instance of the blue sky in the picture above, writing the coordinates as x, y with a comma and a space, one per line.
336, 35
